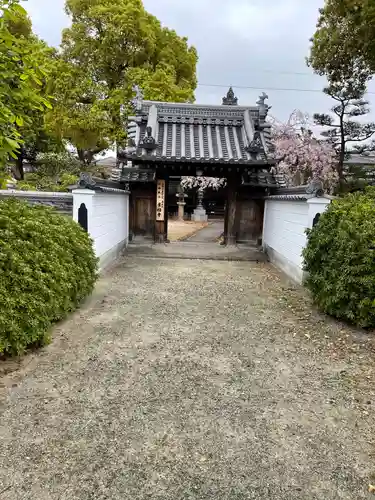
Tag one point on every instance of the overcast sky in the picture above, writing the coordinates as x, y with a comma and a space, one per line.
244, 43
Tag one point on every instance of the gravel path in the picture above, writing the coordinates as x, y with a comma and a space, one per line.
192, 380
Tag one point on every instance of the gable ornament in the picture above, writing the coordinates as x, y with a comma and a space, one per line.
149, 143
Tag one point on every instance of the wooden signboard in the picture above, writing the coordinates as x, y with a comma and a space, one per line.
160, 200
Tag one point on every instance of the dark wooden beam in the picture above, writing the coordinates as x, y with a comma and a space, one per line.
230, 232
196, 162
166, 214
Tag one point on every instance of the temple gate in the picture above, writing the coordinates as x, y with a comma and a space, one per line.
176, 139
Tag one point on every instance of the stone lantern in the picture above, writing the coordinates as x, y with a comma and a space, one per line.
200, 213
181, 203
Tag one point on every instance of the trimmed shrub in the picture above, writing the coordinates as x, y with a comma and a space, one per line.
47, 267
340, 259
36, 182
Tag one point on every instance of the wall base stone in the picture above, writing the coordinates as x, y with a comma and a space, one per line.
112, 255
281, 262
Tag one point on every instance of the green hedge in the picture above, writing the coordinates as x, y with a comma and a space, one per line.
47, 267
340, 259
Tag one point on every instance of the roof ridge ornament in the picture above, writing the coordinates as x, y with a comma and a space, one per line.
86, 181
315, 188
230, 99
138, 98
263, 107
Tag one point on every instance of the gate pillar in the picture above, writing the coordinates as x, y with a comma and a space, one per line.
161, 223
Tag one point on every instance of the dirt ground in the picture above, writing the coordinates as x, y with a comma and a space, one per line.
186, 379
180, 230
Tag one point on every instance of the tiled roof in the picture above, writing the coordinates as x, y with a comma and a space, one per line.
357, 159
195, 133
106, 162
259, 178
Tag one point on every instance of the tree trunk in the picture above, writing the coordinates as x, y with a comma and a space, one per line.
85, 156
17, 169
81, 155
340, 166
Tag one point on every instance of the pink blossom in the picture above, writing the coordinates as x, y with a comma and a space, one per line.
300, 156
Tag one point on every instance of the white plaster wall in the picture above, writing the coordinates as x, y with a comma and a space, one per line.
108, 221
284, 235
108, 224
284, 226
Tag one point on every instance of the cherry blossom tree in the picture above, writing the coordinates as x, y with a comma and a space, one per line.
202, 183
301, 157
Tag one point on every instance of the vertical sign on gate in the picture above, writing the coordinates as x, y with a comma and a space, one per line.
160, 200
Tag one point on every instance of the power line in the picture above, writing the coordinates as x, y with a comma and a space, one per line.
278, 72
265, 88
255, 88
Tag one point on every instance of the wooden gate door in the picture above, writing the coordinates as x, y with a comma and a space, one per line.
144, 223
250, 221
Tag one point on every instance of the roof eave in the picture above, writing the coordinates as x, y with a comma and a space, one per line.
155, 159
